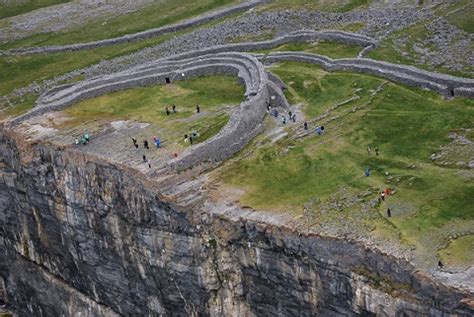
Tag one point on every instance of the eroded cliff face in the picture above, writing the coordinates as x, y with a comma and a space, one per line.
81, 236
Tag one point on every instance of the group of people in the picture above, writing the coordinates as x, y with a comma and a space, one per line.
174, 109
156, 142
292, 117
83, 140
193, 136
276, 114
369, 150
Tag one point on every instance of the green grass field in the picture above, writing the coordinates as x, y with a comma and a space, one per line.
330, 49
406, 124
12, 8
148, 104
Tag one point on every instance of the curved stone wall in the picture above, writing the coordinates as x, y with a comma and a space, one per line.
140, 35
447, 85
244, 122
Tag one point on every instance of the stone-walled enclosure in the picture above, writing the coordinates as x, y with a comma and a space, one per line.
106, 240
245, 121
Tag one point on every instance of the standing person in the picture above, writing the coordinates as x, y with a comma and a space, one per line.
440, 264
198, 109
185, 138
145, 144
389, 213
382, 195
76, 141
289, 114
191, 139
283, 120
144, 158
377, 151
268, 107
157, 143
322, 129
167, 111
305, 124
367, 171
369, 149
275, 113
293, 118
174, 108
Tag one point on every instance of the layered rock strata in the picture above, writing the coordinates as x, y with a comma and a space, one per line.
81, 235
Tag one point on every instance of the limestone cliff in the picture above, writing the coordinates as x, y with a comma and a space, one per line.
81, 236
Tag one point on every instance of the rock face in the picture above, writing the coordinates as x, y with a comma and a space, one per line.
81, 236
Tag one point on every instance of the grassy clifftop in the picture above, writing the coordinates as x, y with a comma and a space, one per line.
321, 178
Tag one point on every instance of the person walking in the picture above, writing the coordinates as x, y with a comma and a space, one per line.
198, 109
145, 144
305, 125
144, 158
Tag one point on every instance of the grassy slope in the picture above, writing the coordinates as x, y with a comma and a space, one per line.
459, 252
152, 16
408, 125
148, 105
19, 7
331, 49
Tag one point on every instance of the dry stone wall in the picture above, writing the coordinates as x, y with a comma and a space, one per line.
140, 35
245, 121
447, 85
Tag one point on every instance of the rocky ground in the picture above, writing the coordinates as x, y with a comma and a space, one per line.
445, 45
65, 16
378, 23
